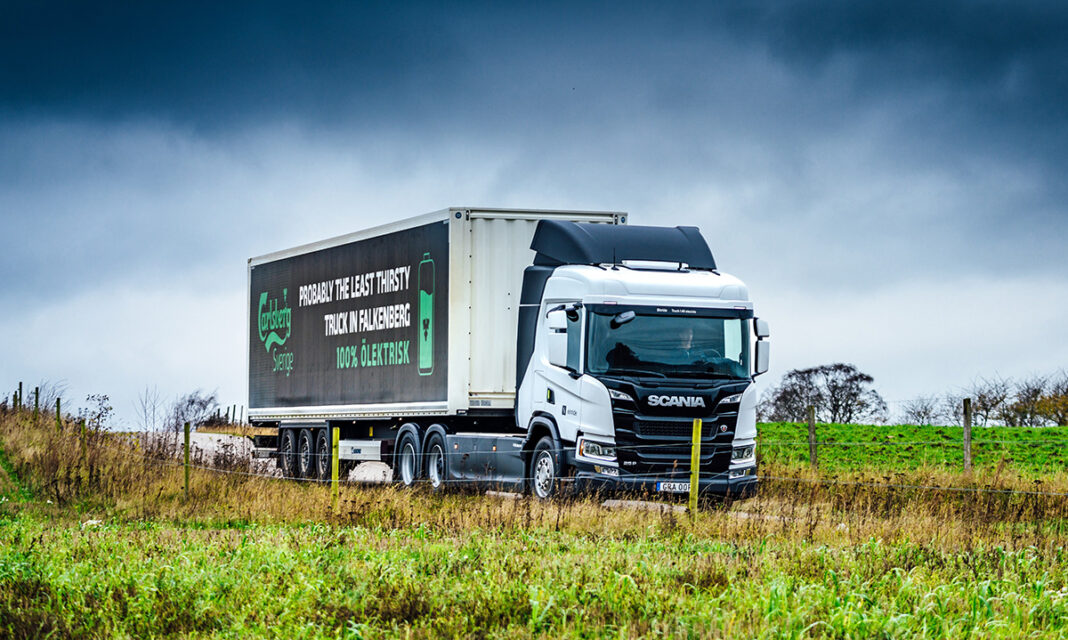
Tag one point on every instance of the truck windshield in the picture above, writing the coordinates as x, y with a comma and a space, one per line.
667, 345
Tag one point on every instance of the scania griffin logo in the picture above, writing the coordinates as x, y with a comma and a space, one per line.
676, 401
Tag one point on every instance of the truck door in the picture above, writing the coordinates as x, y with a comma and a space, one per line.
559, 366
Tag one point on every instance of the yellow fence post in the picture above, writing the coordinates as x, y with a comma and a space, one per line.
334, 464
695, 465
187, 461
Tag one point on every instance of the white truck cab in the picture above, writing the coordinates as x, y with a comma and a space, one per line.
629, 351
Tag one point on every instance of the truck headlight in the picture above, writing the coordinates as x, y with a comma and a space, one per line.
619, 395
591, 449
731, 399
743, 453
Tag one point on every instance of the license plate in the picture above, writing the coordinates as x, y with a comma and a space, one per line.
673, 487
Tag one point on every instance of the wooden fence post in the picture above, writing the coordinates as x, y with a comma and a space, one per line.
334, 467
812, 460
695, 465
187, 461
59, 419
36, 403
18, 404
967, 435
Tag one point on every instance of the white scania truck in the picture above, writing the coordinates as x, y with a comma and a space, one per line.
536, 350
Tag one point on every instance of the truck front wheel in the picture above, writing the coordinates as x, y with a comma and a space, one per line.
544, 470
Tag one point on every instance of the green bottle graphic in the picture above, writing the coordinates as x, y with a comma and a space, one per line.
426, 315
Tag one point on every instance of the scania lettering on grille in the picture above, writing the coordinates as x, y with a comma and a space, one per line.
676, 401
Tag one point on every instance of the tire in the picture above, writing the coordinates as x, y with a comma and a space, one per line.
306, 454
544, 470
406, 461
324, 458
437, 463
287, 454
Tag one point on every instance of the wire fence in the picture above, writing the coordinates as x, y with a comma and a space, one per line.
680, 448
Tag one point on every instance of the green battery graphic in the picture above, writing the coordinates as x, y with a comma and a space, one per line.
426, 315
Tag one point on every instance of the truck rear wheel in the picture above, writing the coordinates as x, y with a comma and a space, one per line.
406, 461
324, 455
436, 464
306, 454
287, 454
544, 470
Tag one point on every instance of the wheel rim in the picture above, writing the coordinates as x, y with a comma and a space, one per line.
407, 465
324, 460
437, 465
305, 456
544, 474
287, 456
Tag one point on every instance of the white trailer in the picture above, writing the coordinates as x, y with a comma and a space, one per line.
476, 345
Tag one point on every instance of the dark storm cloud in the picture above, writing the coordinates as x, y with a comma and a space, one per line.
212, 63
807, 101
208, 62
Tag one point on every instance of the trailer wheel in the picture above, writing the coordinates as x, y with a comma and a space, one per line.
287, 454
324, 455
406, 461
436, 464
544, 471
306, 454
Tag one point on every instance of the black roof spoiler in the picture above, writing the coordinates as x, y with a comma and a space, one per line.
558, 242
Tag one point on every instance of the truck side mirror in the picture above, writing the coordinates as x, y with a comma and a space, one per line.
760, 328
557, 320
558, 349
763, 348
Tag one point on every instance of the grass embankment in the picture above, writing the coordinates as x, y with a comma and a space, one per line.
1027, 452
253, 557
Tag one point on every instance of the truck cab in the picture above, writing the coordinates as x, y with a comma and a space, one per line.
628, 352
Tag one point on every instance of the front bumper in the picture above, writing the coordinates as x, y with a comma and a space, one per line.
588, 477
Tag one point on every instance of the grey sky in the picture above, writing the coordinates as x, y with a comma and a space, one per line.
889, 179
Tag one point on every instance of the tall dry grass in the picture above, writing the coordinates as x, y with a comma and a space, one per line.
133, 477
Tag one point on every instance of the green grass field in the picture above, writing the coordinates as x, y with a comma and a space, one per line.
1027, 451
105, 546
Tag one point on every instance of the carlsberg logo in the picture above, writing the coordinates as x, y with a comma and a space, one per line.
676, 401
275, 327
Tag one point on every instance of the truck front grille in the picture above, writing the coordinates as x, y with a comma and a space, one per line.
662, 447
672, 430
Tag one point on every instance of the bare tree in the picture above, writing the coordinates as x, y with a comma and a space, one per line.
48, 393
150, 412
98, 413
989, 397
196, 407
923, 410
789, 401
1025, 408
840, 392
953, 408
1053, 406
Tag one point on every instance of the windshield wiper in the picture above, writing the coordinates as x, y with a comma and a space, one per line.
640, 372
